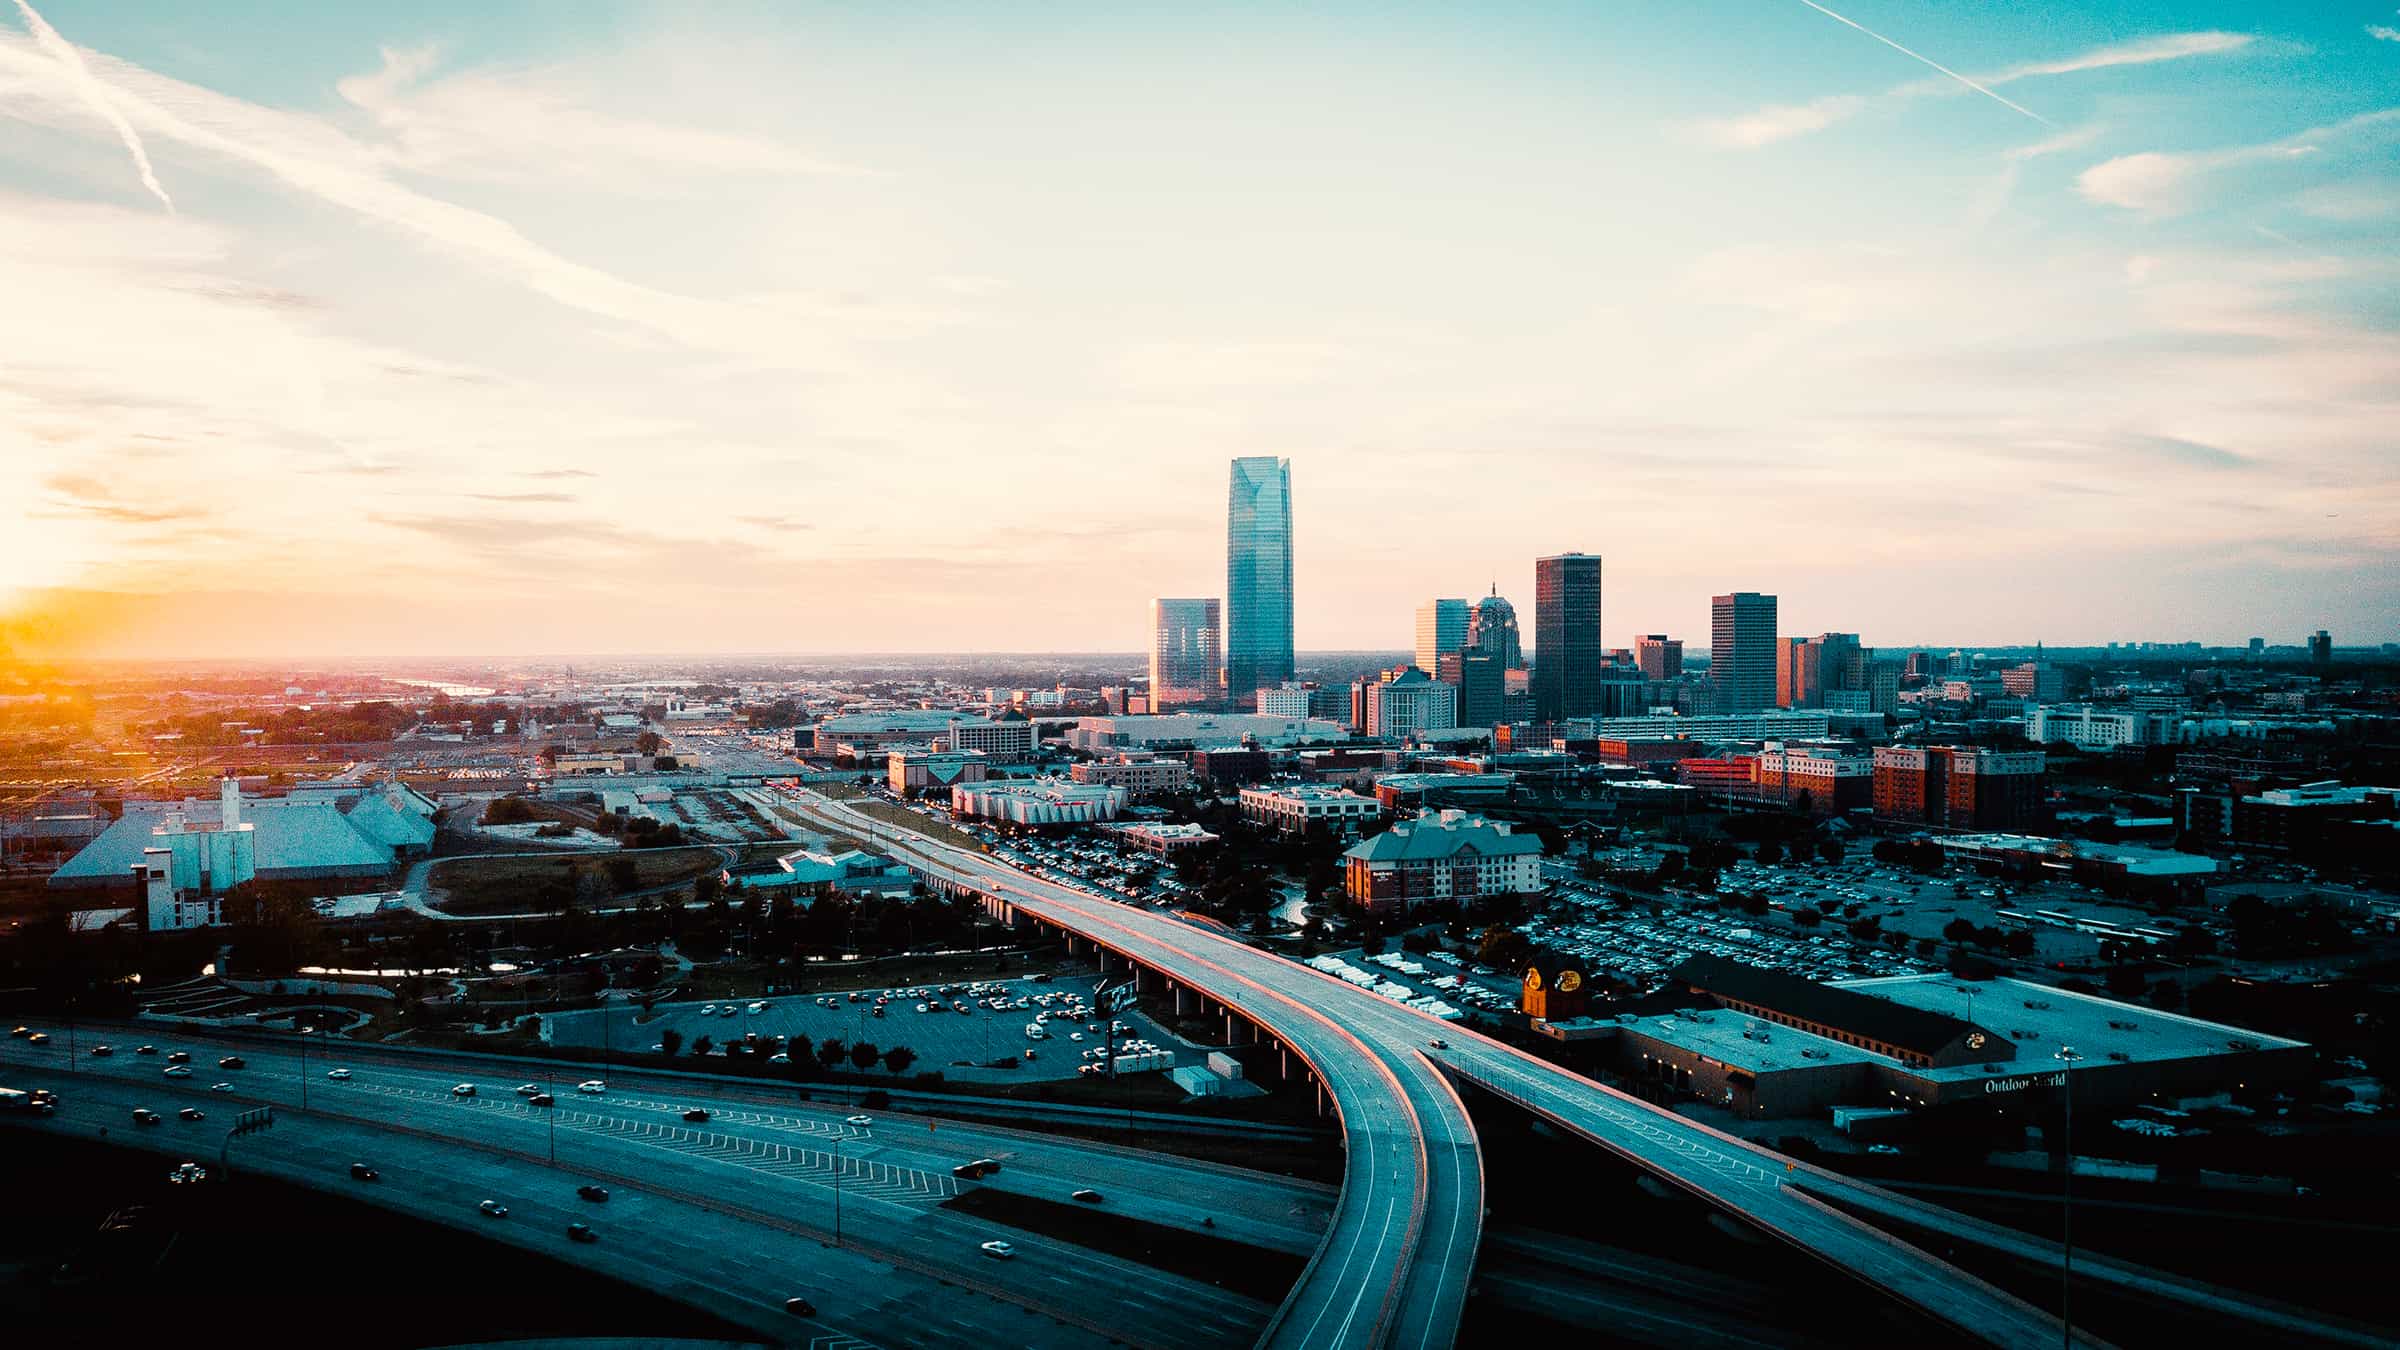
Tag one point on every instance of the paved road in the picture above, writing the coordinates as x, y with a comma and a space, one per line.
774, 1167
1373, 1036
1395, 1266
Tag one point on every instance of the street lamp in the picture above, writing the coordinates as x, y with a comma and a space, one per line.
837, 1189
304, 1033
2066, 1223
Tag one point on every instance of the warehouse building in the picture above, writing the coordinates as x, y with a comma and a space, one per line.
330, 830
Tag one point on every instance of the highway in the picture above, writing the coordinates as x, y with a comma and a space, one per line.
1365, 1044
738, 1186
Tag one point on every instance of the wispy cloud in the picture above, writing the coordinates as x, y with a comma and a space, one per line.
523, 496
2383, 33
77, 494
95, 94
2160, 183
1779, 122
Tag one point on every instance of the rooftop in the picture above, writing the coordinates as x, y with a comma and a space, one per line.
1914, 1028
2041, 1019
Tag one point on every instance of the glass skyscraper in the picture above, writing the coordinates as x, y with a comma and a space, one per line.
1183, 653
1567, 656
1258, 578
1741, 651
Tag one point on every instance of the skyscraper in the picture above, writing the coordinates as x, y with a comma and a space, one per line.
1660, 657
1807, 668
1492, 627
1567, 655
1441, 630
1184, 653
2320, 648
1741, 651
1258, 578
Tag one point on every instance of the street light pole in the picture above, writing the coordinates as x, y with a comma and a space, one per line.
303, 1068
2066, 1223
837, 1190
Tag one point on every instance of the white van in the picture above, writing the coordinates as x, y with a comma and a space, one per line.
1034, 1032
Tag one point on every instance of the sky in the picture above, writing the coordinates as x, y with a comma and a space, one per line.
448, 329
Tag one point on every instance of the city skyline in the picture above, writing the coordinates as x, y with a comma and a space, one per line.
439, 334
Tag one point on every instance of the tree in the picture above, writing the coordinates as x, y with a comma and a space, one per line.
1770, 853
703, 1045
801, 1049
671, 1041
832, 1052
898, 1058
1808, 918
624, 875
647, 743
863, 1055
1959, 930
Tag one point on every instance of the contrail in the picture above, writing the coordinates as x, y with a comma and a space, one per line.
1812, 4
96, 94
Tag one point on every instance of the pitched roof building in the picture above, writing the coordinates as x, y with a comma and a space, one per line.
1446, 856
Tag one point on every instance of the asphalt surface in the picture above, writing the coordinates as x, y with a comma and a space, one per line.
1395, 1267
1412, 1190
717, 1203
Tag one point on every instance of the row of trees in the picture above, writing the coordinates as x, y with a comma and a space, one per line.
807, 1058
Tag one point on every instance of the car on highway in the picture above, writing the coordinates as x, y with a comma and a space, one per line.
1088, 1196
999, 1250
103, 1051
20, 1033
1437, 1043
187, 1174
860, 1121
191, 1113
143, 1115
799, 1307
362, 1172
596, 1194
463, 1090
541, 1099
145, 1049
231, 1062
581, 1232
493, 1209
338, 1075
591, 1087
180, 1057
38, 1038
708, 1010
177, 1071
529, 1090
696, 1115
220, 1087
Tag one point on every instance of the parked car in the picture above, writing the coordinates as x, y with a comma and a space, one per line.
862, 1121
541, 1099
529, 1090
338, 1075
697, 1115
220, 1087
591, 1087
581, 1232
187, 1174
596, 1194
463, 1090
177, 1071
999, 1250
493, 1209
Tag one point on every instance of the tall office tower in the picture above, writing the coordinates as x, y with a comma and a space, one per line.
2258, 650
1441, 630
1492, 627
1741, 651
1660, 657
1184, 653
2320, 648
1567, 655
1258, 578
1482, 684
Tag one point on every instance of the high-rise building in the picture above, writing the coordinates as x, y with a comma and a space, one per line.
1258, 578
1482, 684
1492, 627
1184, 656
1289, 699
1741, 651
1441, 630
1807, 668
1960, 786
1567, 655
1660, 657
2320, 648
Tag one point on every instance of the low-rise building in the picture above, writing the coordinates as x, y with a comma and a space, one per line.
917, 770
1446, 856
1043, 801
808, 873
1165, 840
1139, 772
1821, 777
1960, 786
1294, 808
1194, 731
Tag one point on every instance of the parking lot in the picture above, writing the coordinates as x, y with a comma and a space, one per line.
941, 1036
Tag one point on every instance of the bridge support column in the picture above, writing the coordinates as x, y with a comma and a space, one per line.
1183, 1001
1320, 1097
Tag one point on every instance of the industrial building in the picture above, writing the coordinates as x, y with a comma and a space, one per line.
1766, 1045
916, 769
1043, 801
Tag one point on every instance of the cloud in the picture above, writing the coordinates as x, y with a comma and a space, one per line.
2159, 183
95, 94
2383, 34
80, 495
561, 473
2190, 454
522, 496
538, 123
1779, 122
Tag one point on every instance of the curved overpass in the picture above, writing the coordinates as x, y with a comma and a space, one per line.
1371, 1054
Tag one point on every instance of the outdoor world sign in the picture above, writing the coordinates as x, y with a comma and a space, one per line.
2024, 1081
